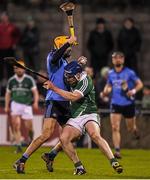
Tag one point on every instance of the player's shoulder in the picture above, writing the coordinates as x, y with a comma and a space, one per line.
84, 83
27, 76
84, 77
11, 78
52, 51
129, 71
111, 72
50, 54
86, 80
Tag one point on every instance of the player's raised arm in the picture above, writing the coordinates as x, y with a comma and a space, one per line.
61, 44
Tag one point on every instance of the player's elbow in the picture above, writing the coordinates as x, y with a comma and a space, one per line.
140, 85
75, 98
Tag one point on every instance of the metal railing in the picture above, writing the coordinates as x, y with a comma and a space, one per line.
139, 109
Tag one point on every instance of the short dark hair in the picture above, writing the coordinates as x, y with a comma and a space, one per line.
116, 53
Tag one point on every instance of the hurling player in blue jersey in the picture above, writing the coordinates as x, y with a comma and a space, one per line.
57, 108
123, 84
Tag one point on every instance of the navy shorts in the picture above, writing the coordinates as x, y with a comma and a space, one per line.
60, 110
127, 111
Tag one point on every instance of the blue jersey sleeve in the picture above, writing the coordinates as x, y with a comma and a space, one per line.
133, 76
50, 65
49, 57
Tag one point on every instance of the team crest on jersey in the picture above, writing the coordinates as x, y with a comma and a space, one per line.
20, 85
25, 85
14, 86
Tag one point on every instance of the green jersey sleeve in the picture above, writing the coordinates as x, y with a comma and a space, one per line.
84, 86
8, 87
32, 82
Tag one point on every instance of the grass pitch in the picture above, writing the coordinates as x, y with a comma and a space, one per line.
136, 165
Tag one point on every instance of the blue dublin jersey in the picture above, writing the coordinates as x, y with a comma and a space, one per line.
116, 79
55, 75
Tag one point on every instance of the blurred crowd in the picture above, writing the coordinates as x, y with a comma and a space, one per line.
12, 37
100, 45
43, 4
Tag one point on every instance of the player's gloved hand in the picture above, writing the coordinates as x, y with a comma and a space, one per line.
82, 60
48, 85
72, 40
131, 92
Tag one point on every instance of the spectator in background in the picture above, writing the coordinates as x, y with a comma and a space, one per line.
129, 42
30, 44
3, 5
100, 44
9, 38
18, 101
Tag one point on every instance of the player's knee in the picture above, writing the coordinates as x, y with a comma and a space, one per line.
64, 139
16, 127
115, 128
95, 136
29, 126
45, 135
130, 129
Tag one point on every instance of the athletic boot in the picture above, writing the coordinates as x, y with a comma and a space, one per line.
117, 167
19, 167
49, 163
79, 171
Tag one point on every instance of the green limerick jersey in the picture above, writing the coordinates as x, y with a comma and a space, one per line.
21, 89
87, 104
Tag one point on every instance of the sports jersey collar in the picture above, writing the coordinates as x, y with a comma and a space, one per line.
20, 79
83, 75
120, 71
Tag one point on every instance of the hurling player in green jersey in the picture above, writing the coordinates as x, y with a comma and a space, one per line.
84, 115
21, 95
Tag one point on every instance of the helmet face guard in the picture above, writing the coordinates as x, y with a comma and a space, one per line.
71, 70
68, 75
60, 41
